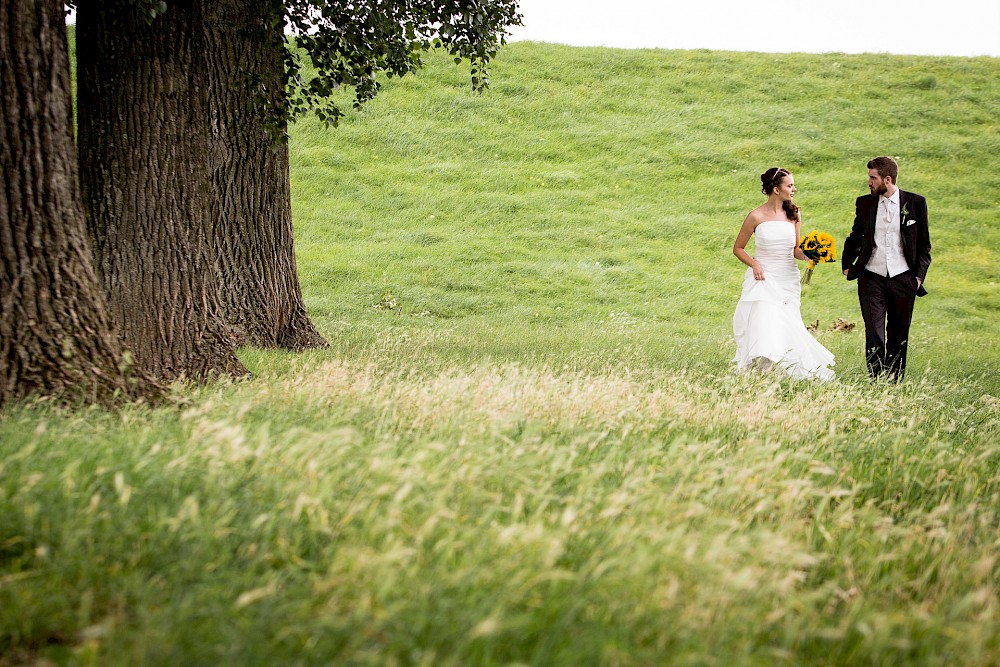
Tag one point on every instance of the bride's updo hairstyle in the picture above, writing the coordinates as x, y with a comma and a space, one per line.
771, 179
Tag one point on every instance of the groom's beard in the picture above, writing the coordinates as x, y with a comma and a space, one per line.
880, 190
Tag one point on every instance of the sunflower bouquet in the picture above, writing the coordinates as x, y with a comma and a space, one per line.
819, 247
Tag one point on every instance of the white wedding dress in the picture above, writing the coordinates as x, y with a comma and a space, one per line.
767, 323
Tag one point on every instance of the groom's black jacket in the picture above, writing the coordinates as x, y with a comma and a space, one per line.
860, 243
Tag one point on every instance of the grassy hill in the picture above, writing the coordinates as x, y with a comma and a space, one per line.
592, 181
525, 445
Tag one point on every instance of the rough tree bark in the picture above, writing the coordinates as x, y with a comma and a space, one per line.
143, 118
55, 335
252, 215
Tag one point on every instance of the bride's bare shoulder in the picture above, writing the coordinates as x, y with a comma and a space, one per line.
754, 217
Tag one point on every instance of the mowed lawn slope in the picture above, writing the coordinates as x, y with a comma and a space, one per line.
525, 444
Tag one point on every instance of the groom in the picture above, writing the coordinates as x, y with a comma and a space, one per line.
888, 252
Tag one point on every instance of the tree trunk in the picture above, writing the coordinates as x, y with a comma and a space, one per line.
146, 182
252, 215
55, 335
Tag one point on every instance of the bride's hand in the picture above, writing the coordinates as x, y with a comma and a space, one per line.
758, 272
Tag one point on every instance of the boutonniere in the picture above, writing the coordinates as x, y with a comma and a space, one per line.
906, 212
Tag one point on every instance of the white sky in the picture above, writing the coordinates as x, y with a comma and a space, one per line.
925, 27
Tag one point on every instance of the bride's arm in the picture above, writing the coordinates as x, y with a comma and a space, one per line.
799, 255
739, 247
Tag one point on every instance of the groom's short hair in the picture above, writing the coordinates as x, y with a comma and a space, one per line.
885, 166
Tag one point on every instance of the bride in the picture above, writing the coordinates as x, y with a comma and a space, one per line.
767, 323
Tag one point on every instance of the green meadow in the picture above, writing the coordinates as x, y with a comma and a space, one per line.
525, 444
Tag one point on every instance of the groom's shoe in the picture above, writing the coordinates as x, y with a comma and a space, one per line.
875, 358
896, 367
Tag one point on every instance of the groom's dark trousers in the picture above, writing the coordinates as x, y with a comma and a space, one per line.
887, 308
887, 303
